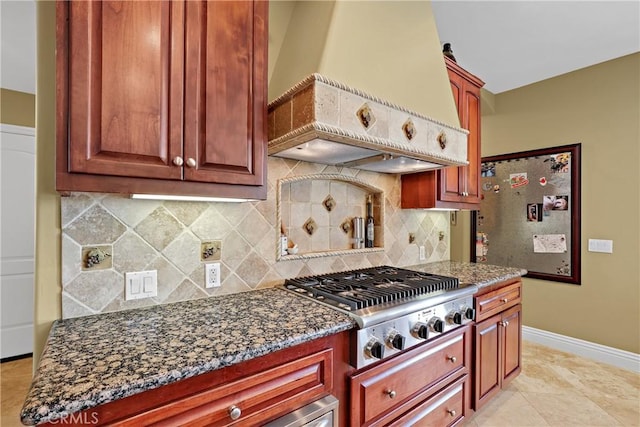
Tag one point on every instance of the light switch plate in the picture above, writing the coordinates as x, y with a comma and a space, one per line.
598, 245
140, 284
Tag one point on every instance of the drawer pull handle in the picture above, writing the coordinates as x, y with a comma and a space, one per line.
234, 412
391, 393
452, 359
177, 160
504, 300
451, 412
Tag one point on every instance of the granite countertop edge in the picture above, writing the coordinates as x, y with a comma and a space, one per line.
37, 411
132, 328
479, 274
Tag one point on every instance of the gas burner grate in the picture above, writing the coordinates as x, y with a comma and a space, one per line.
368, 287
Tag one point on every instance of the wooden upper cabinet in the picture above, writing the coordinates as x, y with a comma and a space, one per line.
162, 97
225, 98
452, 187
125, 108
462, 184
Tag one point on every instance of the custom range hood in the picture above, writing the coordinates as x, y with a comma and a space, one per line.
373, 75
320, 120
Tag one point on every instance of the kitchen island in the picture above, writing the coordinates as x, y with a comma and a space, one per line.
102, 360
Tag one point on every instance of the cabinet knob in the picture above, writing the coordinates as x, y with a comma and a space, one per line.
452, 359
234, 412
191, 162
451, 412
505, 300
391, 393
177, 160
504, 323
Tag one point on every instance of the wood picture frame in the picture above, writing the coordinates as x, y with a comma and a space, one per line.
529, 214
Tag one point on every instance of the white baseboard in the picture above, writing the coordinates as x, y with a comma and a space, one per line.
601, 353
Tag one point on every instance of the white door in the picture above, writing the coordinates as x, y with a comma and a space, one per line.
17, 201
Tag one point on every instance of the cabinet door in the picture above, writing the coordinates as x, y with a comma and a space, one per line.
125, 88
511, 321
470, 181
225, 91
450, 178
488, 373
462, 184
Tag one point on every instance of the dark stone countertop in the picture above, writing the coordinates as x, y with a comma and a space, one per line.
481, 275
89, 361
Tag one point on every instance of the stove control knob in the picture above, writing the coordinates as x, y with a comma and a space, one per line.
470, 313
420, 330
436, 325
374, 349
454, 318
395, 340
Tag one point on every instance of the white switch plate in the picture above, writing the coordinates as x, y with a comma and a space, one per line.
597, 245
212, 275
140, 284
423, 256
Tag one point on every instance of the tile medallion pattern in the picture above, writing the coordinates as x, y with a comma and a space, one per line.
167, 236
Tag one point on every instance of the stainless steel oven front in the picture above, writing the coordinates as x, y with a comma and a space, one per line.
321, 413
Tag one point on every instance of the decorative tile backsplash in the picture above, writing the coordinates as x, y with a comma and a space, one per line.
316, 211
168, 236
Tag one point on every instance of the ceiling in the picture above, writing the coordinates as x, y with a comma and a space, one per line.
508, 44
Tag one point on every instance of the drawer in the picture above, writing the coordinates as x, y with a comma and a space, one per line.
498, 300
443, 409
258, 397
390, 384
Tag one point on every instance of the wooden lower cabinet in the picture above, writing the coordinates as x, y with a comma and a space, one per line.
497, 343
249, 393
446, 408
428, 385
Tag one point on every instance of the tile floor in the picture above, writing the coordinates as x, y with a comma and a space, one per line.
554, 389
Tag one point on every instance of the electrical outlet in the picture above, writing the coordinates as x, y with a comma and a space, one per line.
212, 275
423, 255
140, 284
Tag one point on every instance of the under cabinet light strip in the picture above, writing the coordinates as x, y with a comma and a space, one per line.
189, 198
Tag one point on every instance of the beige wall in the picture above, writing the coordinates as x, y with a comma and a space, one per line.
47, 268
389, 49
599, 107
17, 108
